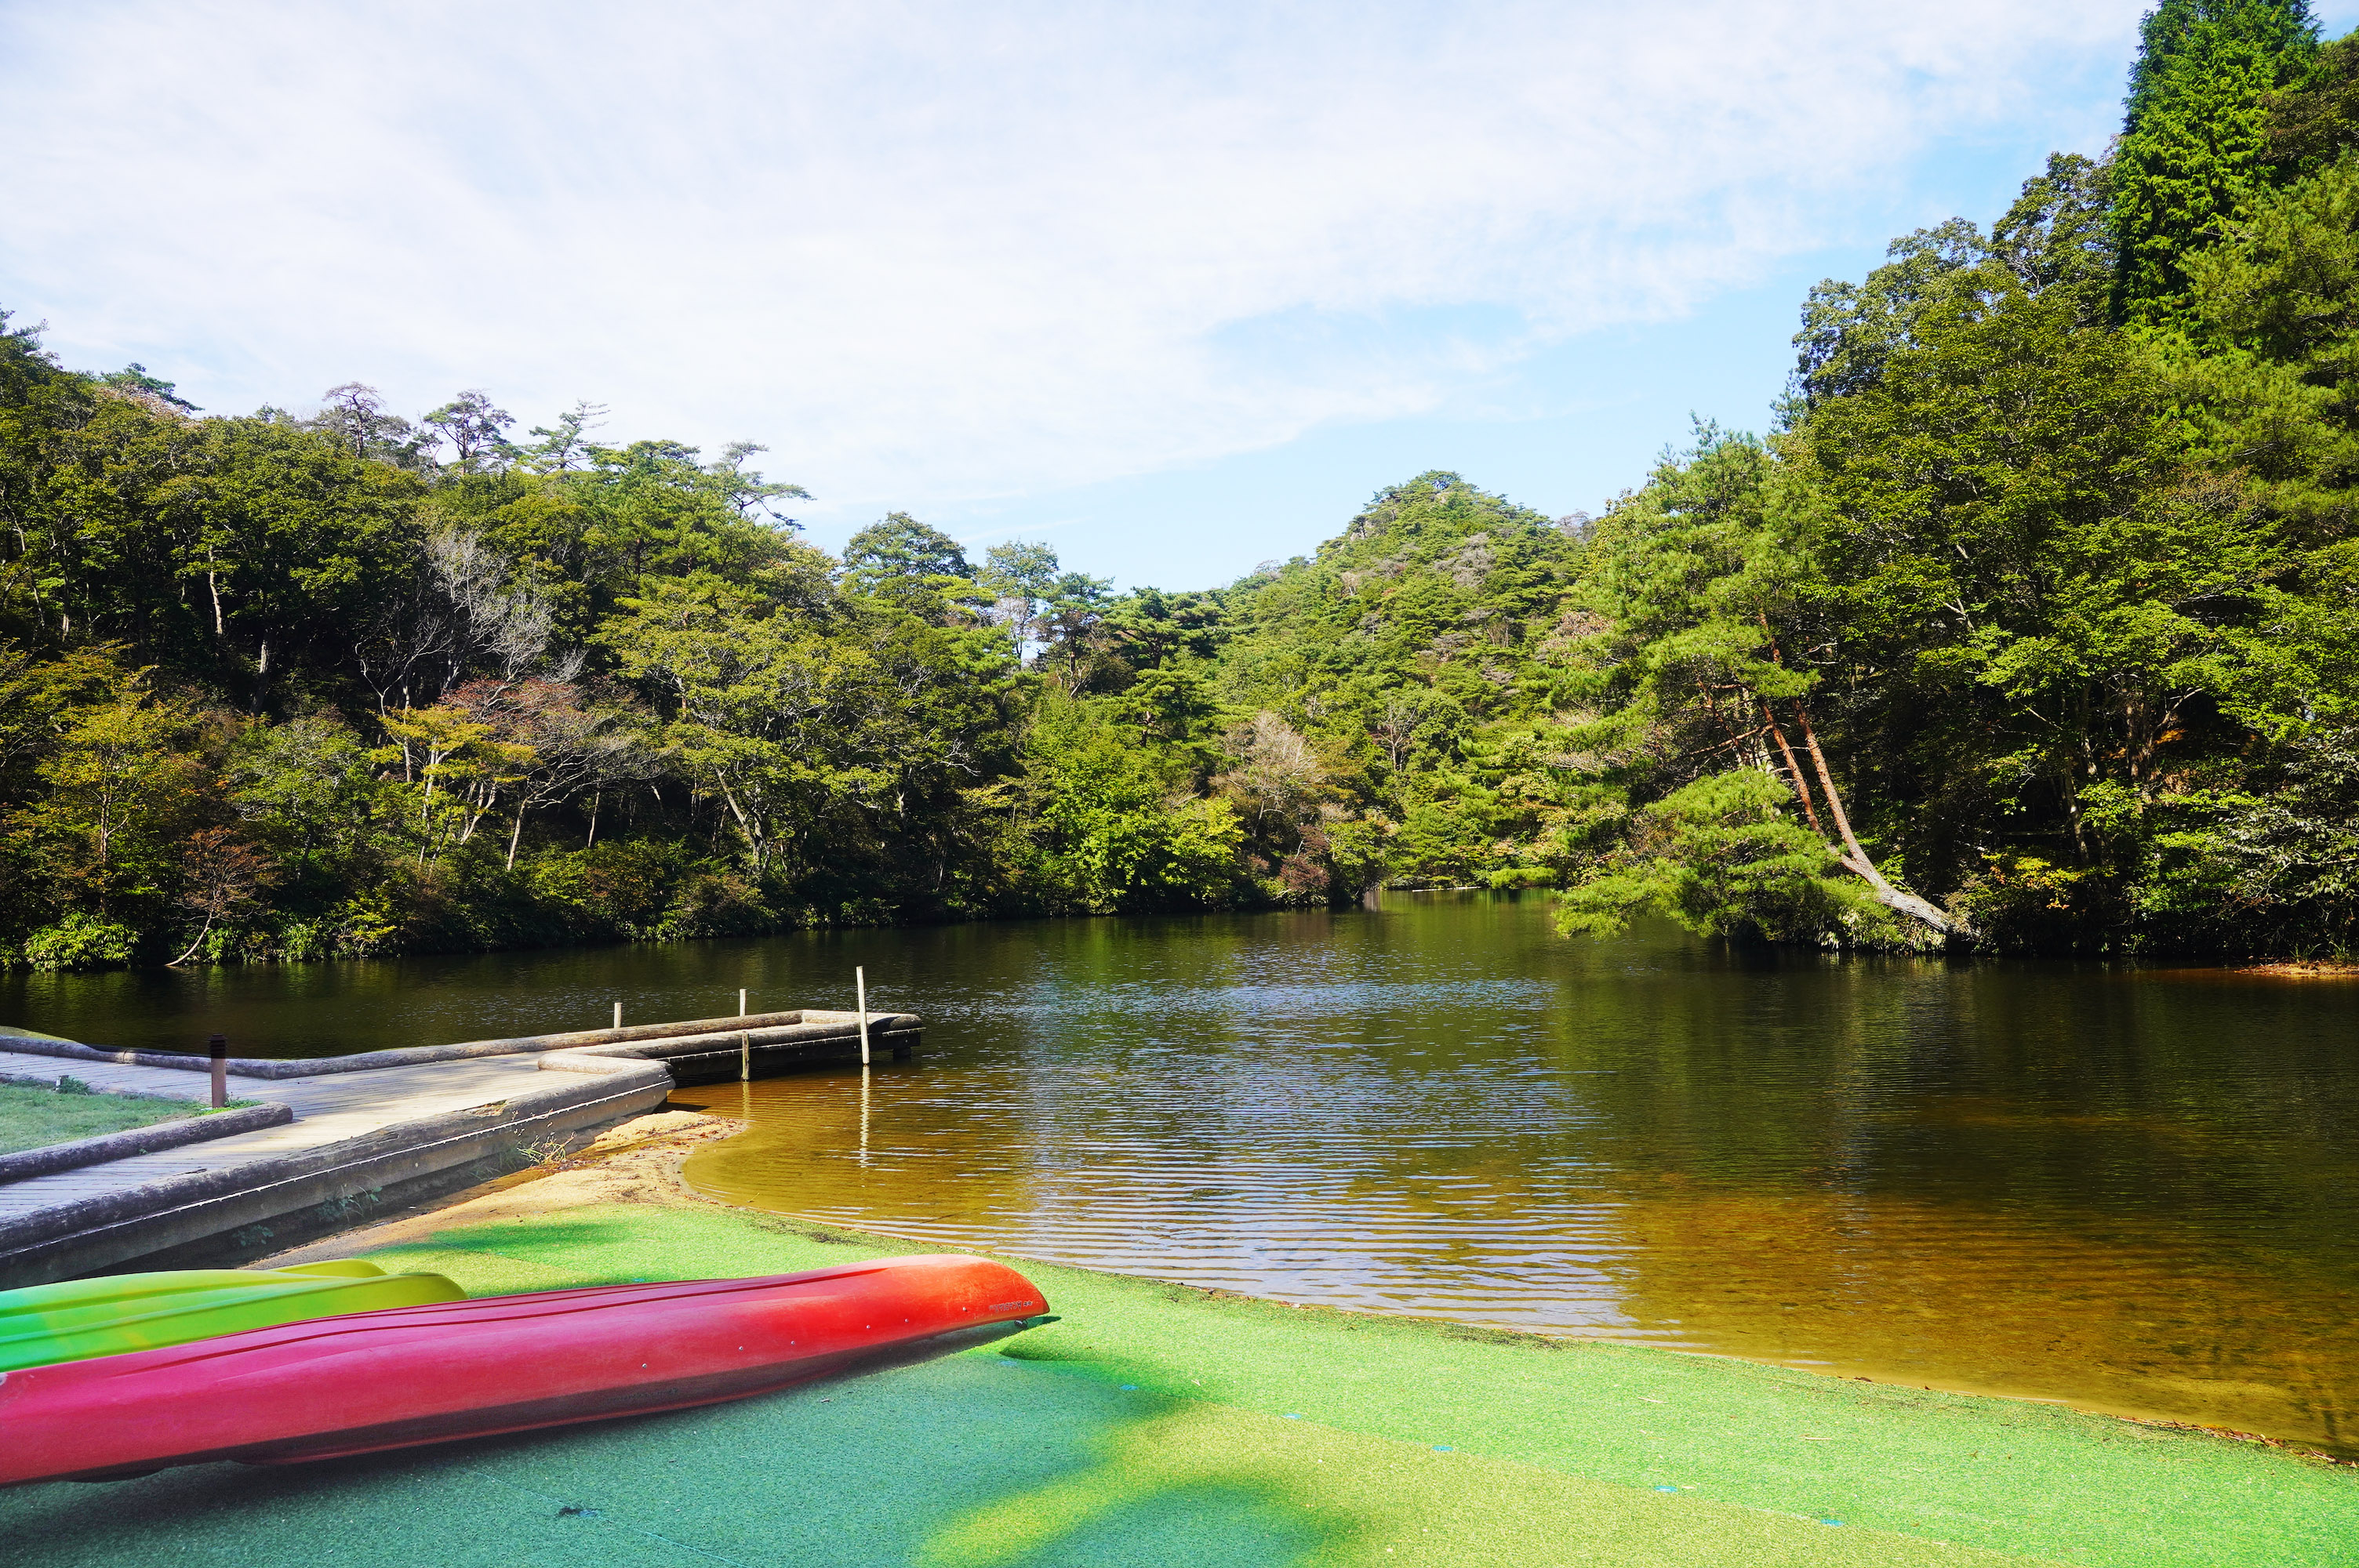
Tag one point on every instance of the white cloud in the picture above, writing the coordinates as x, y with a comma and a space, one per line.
932, 252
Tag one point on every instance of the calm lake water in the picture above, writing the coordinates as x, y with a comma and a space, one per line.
2128, 1189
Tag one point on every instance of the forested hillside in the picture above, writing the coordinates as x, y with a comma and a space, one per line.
2031, 625
2052, 560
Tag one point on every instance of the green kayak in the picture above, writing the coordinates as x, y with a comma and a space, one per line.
43, 1325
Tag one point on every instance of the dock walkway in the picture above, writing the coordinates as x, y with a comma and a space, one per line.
328, 1110
369, 1132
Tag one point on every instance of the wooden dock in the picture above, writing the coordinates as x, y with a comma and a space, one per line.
326, 1111
363, 1140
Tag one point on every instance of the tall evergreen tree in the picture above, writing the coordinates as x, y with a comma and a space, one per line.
2195, 143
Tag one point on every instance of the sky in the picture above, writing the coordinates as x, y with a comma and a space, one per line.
1171, 289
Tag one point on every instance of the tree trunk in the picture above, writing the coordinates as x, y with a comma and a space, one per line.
202, 931
1857, 859
514, 834
744, 823
1794, 772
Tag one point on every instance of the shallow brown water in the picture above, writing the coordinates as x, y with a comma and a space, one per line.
2124, 1190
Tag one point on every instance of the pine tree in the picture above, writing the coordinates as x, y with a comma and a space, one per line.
2194, 144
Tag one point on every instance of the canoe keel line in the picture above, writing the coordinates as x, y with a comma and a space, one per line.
407, 1376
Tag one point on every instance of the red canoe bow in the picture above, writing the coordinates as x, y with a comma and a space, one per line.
414, 1375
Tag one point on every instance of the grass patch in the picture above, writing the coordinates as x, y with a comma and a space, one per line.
34, 1117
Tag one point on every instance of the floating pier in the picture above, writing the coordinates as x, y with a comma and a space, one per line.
363, 1134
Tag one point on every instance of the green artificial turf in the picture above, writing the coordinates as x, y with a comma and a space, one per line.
1159, 1424
33, 1117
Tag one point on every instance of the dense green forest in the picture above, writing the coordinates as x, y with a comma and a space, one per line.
2032, 625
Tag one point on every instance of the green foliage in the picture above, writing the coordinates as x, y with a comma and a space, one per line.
2011, 548
833, 743
2053, 245
2195, 142
134, 379
2022, 628
2316, 120
2269, 366
1722, 857
2071, 609
26, 368
82, 941
612, 890
236, 549
1101, 826
2271, 868
307, 785
902, 555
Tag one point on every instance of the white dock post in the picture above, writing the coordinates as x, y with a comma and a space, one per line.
741, 1001
618, 1015
860, 978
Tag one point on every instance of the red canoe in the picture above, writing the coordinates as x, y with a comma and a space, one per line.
413, 1375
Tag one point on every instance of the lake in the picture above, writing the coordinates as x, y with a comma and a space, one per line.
2127, 1188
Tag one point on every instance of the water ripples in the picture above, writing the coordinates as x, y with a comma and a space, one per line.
2020, 1181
